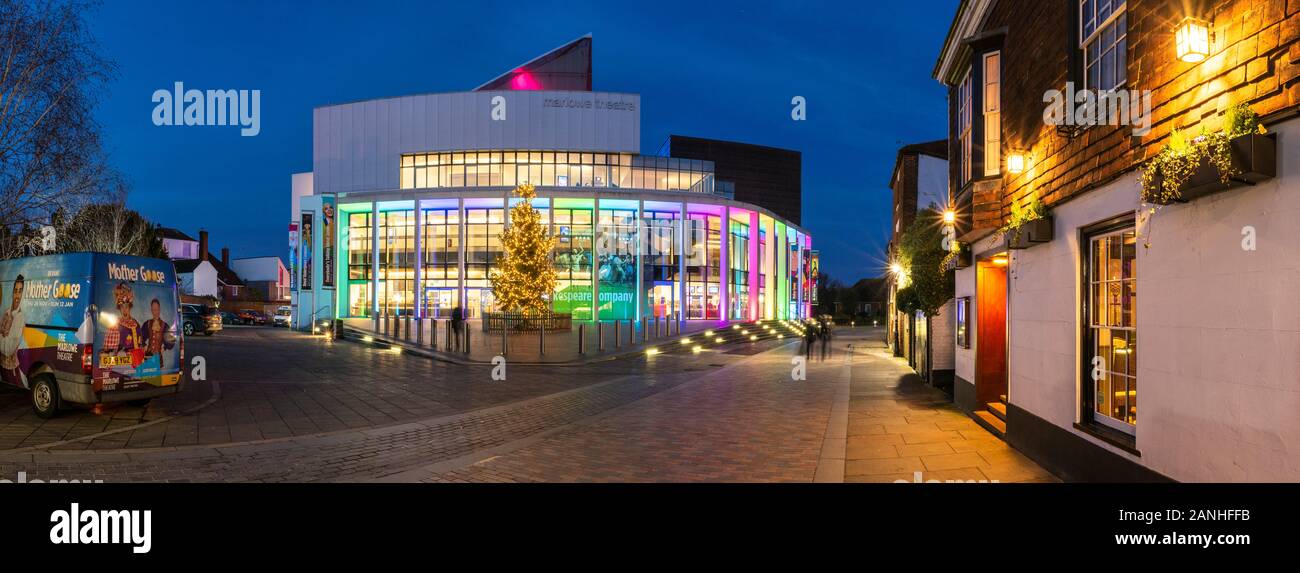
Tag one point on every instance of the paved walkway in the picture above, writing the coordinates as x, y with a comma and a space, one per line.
527, 347
732, 413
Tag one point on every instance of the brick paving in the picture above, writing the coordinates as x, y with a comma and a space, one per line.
754, 424
719, 416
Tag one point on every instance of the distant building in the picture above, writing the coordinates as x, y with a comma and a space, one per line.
267, 275
179, 246
765, 176
919, 181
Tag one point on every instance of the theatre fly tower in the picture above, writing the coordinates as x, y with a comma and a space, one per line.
402, 212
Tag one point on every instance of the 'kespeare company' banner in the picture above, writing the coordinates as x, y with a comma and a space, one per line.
327, 243
293, 256
306, 235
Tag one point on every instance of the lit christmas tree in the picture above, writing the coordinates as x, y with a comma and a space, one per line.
525, 278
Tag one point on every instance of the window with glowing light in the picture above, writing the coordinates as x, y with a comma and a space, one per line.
1110, 361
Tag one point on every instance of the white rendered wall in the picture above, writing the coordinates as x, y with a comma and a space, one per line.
1218, 327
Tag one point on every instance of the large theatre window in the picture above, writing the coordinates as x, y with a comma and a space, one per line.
738, 252
703, 265
360, 264
617, 270
573, 258
1110, 360
396, 287
440, 267
483, 228
660, 279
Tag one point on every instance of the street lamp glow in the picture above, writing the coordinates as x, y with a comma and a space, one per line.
949, 216
896, 268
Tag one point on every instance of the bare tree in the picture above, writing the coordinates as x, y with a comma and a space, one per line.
110, 228
51, 75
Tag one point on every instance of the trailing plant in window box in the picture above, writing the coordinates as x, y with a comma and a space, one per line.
957, 258
1030, 224
1190, 168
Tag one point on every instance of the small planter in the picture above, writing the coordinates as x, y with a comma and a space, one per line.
961, 259
1253, 155
1030, 234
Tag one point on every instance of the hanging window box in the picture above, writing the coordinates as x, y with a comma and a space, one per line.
1030, 233
1253, 159
958, 259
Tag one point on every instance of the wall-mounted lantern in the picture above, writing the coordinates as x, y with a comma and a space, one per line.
1016, 163
1192, 38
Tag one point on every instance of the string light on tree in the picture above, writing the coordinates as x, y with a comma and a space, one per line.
525, 278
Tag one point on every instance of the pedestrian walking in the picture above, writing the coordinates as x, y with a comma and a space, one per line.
809, 338
824, 333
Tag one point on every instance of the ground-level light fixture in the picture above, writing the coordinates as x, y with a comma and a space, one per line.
1016, 163
1192, 38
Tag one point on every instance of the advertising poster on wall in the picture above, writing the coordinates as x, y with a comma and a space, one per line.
327, 242
293, 255
305, 236
814, 267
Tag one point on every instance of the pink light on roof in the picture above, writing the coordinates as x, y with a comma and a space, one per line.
524, 81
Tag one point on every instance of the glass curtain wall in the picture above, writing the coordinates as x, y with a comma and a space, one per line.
483, 226
360, 257
573, 257
396, 288
554, 169
704, 266
738, 252
660, 282
618, 270
440, 266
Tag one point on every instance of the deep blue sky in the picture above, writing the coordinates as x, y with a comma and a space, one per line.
718, 70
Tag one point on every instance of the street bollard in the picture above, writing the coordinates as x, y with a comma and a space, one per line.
419, 332
467, 337
656, 326
504, 329
449, 337
600, 336
406, 327
645, 331
541, 339
582, 338
618, 334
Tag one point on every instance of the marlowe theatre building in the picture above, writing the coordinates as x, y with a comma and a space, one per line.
402, 212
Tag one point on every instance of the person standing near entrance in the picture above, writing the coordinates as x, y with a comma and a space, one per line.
809, 338
457, 326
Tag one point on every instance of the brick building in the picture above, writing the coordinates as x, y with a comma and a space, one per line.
1049, 312
918, 181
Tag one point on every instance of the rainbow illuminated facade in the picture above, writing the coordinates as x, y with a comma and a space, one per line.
414, 192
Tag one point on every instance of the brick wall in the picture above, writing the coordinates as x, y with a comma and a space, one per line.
1255, 59
905, 193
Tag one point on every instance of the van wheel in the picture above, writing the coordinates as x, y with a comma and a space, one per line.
45, 396
188, 329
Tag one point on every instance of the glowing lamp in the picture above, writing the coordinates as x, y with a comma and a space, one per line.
1016, 163
949, 217
1000, 261
1192, 38
896, 268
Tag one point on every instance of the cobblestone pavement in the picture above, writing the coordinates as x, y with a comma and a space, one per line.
754, 424
275, 384
731, 414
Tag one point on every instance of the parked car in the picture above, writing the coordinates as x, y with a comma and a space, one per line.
228, 317
282, 316
250, 316
200, 318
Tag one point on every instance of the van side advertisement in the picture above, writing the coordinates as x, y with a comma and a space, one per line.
44, 321
136, 334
